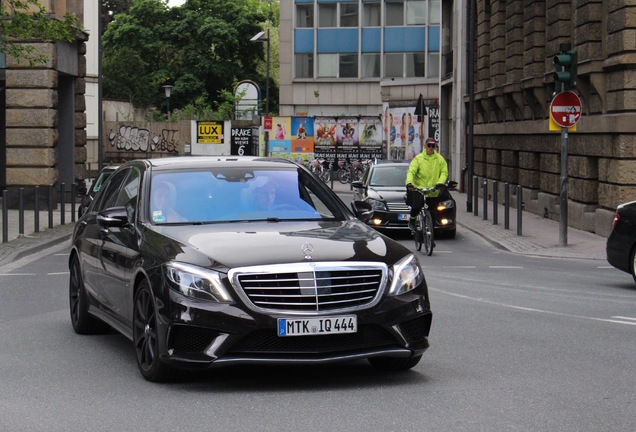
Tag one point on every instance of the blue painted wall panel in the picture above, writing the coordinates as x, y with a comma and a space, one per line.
371, 40
337, 40
405, 39
303, 41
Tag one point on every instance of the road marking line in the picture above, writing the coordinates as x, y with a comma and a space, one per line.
624, 318
505, 267
17, 274
605, 267
57, 273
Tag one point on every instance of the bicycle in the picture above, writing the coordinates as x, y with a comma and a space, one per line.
318, 168
424, 233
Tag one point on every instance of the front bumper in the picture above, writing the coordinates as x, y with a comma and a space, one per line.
198, 335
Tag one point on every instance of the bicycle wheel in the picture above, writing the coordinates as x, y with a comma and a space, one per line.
428, 233
418, 234
344, 176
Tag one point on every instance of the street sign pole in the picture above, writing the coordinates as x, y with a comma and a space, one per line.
563, 221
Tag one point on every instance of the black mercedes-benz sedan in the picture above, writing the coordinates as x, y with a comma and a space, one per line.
621, 243
209, 261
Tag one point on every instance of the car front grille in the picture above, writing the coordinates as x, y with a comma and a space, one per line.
398, 207
311, 287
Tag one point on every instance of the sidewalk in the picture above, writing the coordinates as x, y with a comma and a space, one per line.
540, 236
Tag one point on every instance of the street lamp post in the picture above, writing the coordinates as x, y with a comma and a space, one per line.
259, 38
168, 89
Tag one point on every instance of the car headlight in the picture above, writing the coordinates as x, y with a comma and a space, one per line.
445, 205
407, 275
377, 204
196, 282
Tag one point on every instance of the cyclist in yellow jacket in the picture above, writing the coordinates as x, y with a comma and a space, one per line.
427, 169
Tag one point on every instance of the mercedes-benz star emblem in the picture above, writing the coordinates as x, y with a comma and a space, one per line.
307, 249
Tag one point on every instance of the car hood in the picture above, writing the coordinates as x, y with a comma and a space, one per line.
387, 193
225, 246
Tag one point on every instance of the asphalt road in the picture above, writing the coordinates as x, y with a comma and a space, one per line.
517, 344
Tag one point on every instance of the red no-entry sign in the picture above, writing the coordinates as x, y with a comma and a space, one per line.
565, 109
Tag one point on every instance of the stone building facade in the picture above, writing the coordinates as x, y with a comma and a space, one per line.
515, 45
44, 140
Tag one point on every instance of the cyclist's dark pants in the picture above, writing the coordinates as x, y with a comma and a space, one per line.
417, 202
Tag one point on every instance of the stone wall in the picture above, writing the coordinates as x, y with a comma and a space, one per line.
516, 41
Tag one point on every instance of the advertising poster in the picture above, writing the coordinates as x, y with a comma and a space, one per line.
280, 137
241, 143
325, 138
302, 139
370, 138
401, 133
347, 138
433, 125
210, 132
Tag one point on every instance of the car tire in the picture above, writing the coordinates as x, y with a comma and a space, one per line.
394, 363
83, 322
146, 338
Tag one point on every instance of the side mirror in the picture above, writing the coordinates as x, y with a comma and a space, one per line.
113, 217
362, 210
451, 184
357, 184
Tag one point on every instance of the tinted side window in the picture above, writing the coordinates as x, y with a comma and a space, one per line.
107, 196
127, 196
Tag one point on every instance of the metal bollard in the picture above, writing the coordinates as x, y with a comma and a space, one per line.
485, 202
21, 211
495, 203
73, 192
36, 210
62, 203
506, 206
5, 218
50, 206
476, 196
519, 208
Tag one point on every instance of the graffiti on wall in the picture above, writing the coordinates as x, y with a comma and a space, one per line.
134, 139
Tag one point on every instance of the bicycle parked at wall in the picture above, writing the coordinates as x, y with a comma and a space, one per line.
424, 230
320, 170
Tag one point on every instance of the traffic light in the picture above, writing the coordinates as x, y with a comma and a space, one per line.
565, 74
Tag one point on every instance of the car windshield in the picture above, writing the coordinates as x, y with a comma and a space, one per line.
239, 194
389, 175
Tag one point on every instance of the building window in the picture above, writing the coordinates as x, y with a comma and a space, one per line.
435, 12
394, 10
371, 15
370, 65
304, 15
433, 65
394, 65
415, 64
416, 12
327, 15
348, 15
327, 65
348, 66
304, 65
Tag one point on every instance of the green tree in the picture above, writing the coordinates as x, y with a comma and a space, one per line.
22, 20
201, 47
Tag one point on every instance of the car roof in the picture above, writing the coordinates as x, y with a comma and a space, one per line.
186, 162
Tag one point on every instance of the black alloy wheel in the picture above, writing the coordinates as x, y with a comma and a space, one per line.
145, 337
83, 322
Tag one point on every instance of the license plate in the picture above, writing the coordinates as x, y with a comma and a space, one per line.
403, 216
317, 326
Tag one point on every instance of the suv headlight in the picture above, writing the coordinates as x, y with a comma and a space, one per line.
377, 204
407, 275
445, 205
196, 282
